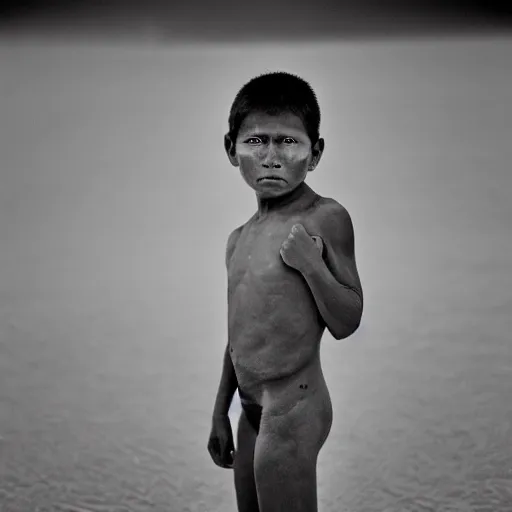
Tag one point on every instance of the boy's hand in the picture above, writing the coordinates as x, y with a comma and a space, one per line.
300, 249
220, 444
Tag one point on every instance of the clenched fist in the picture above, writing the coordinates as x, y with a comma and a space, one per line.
220, 444
301, 250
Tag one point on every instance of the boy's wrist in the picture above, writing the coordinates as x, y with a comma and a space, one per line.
311, 267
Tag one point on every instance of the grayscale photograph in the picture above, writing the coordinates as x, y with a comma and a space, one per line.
255, 257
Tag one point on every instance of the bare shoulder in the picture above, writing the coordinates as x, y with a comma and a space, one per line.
232, 240
334, 225
334, 221
327, 206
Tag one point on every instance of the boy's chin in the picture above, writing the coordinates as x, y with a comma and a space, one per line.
274, 193
272, 189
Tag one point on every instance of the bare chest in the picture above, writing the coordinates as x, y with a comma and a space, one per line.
257, 257
273, 321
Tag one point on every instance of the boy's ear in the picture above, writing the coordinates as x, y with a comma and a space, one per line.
317, 151
230, 148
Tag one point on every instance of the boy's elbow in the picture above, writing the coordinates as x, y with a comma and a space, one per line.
346, 330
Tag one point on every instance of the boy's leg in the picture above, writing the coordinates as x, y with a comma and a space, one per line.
286, 454
245, 486
285, 476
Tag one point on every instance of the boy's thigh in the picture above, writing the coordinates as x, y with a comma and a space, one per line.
285, 473
292, 431
245, 486
289, 441
299, 428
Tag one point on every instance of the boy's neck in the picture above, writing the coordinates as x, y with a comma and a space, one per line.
297, 199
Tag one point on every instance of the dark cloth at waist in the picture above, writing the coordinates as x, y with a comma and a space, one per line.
252, 411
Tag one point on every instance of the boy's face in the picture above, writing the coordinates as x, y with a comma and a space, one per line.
274, 153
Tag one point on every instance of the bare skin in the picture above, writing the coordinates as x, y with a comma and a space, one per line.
291, 273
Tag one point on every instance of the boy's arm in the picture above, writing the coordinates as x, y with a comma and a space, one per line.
333, 279
227, 386
228, 383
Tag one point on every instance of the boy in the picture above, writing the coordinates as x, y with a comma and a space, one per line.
291, 273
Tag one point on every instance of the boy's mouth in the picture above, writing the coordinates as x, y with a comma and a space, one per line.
270, 178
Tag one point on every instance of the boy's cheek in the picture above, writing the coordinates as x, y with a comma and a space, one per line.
245, 151
247, 161
296, 158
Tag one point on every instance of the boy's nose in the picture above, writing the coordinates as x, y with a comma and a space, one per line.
270, 159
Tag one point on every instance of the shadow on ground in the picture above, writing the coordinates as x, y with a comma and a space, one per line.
229, 20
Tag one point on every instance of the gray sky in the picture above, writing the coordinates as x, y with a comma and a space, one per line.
227, 20
113, 167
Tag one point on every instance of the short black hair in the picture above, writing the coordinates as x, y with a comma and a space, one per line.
276, 93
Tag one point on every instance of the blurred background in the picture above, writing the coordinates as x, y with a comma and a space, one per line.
116, 200
230, 20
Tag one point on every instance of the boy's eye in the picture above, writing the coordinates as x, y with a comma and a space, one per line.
256, 140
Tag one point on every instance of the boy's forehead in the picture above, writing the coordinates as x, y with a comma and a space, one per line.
263, 122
